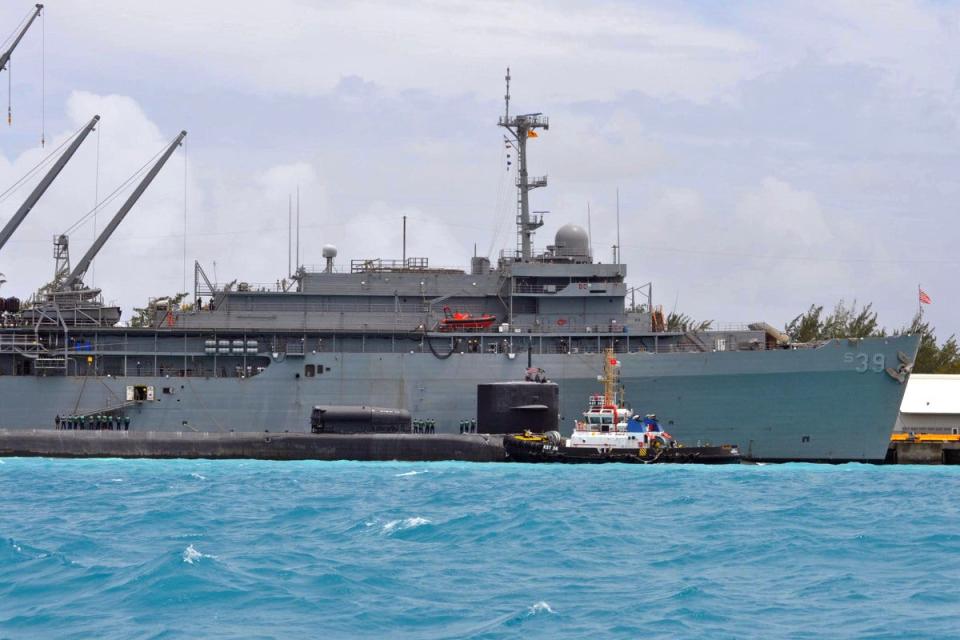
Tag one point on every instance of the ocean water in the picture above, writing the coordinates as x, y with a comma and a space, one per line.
247, 549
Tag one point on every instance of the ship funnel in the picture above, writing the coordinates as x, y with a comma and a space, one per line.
479, 265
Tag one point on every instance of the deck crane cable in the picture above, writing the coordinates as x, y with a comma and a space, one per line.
115, 193
43, 80
499, 208
16, 30
38, 167
96, 196
9, 66
185, 215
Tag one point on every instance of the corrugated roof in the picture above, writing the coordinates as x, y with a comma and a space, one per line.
932, 393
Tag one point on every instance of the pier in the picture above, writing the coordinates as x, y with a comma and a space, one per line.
923, 448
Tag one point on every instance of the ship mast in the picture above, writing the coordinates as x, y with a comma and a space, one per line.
522, 127
611, 379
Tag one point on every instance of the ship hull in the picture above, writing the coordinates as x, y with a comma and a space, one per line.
833, 403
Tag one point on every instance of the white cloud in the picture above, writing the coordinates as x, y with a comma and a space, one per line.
768, 155
780, 216
447, 46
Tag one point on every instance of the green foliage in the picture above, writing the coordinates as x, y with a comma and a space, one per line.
683, 322
850, 322
842, 322
144, 316
933, 358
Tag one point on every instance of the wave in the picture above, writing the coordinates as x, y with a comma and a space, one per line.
411, 473
540, 607
192, 556
395, 526
198, 476
475, 551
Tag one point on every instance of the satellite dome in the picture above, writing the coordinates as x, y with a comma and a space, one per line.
329, 251
572, 240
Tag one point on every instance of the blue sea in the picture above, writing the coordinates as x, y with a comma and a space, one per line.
249, 549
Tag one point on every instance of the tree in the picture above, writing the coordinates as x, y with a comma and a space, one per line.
843, 322
850, 322
144, 316
932, 358
683, 322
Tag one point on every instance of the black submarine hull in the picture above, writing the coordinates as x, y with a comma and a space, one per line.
251, 445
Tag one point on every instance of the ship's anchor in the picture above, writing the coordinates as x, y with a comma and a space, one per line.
901, 372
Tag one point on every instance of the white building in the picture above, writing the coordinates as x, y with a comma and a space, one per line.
931, 404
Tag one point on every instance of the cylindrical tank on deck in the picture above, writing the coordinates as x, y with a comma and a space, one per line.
238, 343
224, 343
209, 343
513, 407
223, 349
479, 265
251, 343
359, 419
12, 305
252, 350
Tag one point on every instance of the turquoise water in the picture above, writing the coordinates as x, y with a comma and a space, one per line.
244, 549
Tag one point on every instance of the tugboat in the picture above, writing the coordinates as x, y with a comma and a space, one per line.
610, 432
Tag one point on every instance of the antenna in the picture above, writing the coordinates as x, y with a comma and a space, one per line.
289, 234
616, 257
298, 227
404, 242
589, 232
506, 97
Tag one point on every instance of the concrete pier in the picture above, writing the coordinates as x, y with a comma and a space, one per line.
252, 445
923, 451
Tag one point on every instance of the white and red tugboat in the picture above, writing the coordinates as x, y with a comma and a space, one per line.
611, 432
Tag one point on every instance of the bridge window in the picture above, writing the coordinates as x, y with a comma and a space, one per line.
310, 371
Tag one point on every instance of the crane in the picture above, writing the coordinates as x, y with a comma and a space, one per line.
5, 56
76, 276
47, 180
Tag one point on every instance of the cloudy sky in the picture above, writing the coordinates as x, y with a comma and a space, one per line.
768, 155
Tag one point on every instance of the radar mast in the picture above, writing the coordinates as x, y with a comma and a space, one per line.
522, 127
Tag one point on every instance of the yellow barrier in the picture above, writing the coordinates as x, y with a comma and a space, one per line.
924, 437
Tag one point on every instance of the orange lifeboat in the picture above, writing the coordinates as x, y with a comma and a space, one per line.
464, 321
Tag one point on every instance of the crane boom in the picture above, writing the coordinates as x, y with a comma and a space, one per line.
81, 269
5, 56
48, 179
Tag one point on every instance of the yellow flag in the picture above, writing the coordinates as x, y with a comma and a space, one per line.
532, 134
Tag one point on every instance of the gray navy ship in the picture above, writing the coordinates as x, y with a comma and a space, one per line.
402, 333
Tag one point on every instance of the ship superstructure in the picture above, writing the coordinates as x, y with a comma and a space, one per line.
378, 331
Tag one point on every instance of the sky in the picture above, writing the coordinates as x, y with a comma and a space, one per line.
768, 156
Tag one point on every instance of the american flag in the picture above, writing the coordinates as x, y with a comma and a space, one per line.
924, 298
